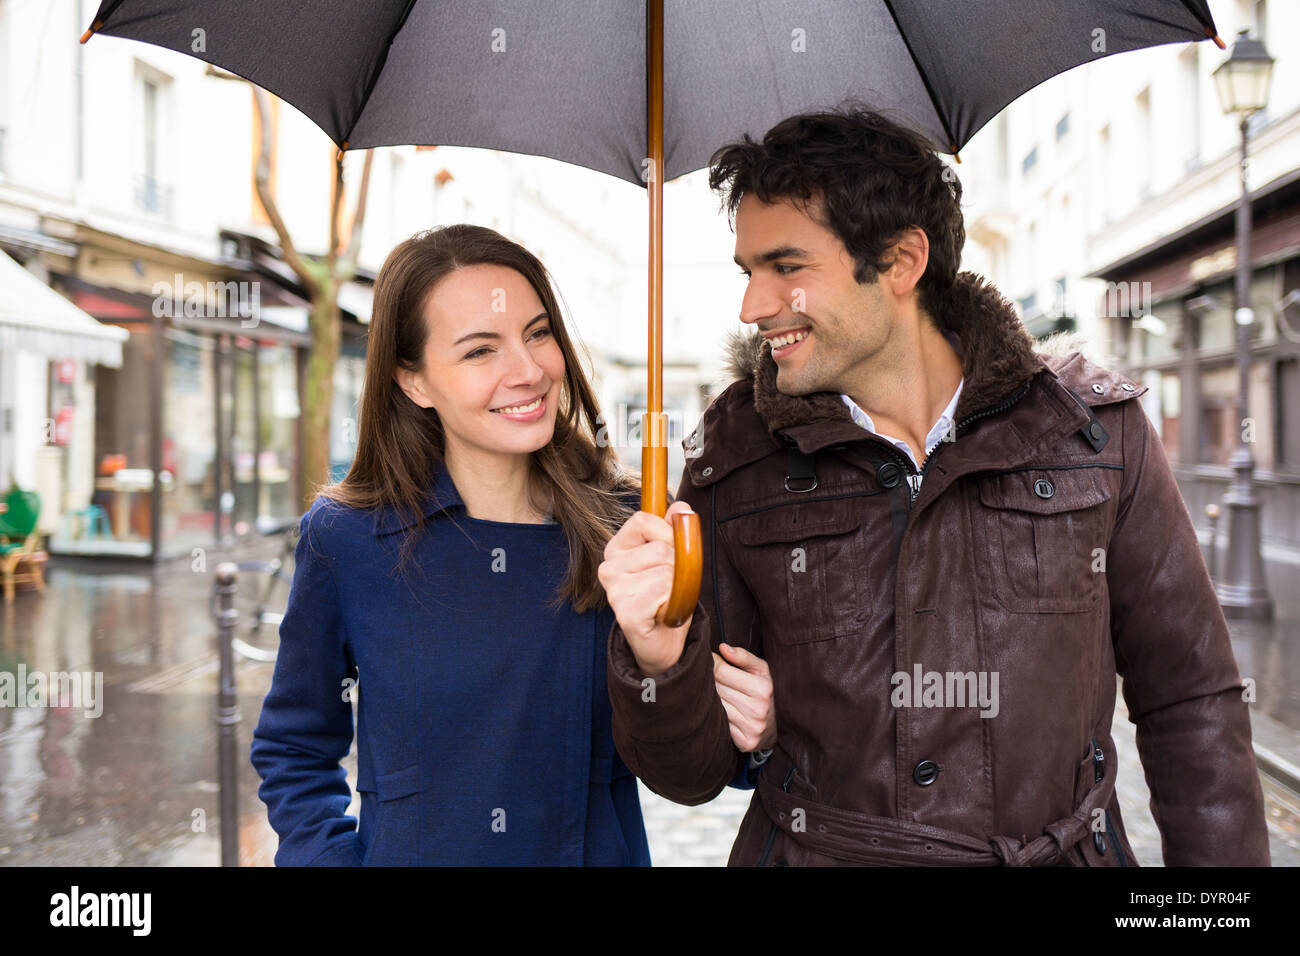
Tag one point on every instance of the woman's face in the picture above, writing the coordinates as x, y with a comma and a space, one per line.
490, 350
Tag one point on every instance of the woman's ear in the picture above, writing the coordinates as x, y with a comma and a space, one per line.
409, 383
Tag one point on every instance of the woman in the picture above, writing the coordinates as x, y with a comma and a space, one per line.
450, 583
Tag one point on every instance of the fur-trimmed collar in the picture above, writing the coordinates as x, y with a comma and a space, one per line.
998, 354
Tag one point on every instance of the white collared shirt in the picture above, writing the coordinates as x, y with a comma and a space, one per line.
936, 435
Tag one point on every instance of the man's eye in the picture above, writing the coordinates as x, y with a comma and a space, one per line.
786, 270
744, 273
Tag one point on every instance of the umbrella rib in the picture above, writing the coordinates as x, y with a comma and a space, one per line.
98, 24
925, 80
1211, 30
374, 74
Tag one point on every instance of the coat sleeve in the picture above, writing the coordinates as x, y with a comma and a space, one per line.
674, 734
306, 728
1180, 678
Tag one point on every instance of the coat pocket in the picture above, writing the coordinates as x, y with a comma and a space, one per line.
1044, 532
395, 833
806, 567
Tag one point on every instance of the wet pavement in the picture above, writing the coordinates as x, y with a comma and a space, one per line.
137, 786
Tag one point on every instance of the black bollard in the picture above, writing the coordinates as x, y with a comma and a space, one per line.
227, 714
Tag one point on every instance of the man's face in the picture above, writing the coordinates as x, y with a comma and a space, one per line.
801, 281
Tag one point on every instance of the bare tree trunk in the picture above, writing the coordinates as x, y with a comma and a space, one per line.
322, 281
326, 333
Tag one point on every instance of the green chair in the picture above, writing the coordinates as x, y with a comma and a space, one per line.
21, 556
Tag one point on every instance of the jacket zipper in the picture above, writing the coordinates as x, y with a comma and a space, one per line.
771, 834
910, 471
1098, 772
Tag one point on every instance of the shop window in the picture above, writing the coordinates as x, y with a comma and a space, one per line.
1163, 405
1223, 426
1288, 415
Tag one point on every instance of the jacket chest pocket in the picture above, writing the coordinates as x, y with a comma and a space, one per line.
807, 570
394, 837
1045, 532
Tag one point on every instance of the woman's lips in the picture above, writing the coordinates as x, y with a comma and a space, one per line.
531, 416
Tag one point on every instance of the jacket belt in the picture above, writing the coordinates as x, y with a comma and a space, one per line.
886, 841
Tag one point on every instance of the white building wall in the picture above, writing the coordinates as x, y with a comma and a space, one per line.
1148, 151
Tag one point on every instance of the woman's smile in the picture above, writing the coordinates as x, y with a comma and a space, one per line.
527, 412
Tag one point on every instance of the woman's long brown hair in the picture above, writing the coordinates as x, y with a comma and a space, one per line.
399, 444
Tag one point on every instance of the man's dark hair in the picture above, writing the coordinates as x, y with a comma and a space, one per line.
868, 179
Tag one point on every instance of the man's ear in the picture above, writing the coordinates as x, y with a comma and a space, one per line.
910, 256
409, 383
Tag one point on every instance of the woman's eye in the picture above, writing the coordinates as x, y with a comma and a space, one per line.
477, 352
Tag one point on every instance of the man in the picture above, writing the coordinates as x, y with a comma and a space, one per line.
943, 544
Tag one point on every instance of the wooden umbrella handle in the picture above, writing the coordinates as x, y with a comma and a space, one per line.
688, 544
688, 569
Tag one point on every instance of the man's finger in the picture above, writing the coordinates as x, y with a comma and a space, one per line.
747, 705
636, 531
740, 657
743, 733
755, 685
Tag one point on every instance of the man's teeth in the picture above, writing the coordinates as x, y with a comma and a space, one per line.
520, 409
783, 340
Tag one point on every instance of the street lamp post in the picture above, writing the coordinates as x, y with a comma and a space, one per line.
1242, 81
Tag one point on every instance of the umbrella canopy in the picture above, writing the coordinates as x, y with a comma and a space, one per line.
584, 81
567, 79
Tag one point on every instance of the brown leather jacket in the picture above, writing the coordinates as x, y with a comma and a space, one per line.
1048, 549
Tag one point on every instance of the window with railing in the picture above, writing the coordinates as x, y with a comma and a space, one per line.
152, 191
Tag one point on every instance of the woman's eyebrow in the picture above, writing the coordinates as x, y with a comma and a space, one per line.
494, 335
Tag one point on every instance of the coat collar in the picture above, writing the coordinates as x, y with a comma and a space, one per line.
442, 496
996, 350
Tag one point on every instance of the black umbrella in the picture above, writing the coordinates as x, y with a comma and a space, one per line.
583, 81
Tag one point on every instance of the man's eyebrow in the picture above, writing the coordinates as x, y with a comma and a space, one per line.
493, 335
781, 252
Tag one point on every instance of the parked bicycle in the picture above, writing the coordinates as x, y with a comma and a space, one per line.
266, 584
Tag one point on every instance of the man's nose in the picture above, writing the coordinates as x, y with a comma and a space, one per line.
760, 302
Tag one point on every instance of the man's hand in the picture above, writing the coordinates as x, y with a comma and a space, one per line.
637, 575
746, 693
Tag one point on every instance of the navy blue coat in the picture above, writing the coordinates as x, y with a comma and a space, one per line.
483, 717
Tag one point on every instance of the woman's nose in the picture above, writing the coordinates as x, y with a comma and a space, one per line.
523, 366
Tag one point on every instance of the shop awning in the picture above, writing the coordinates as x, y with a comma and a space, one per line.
36, 318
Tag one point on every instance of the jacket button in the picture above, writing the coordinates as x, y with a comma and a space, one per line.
707, 471
888, 475
1044, 488
1099, 842
1095, 430
1126, 386
1098, 389
926, 773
